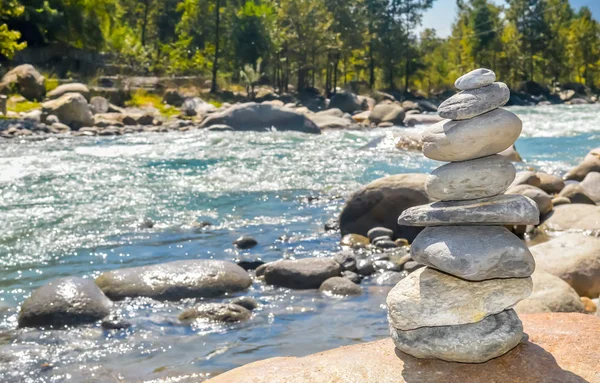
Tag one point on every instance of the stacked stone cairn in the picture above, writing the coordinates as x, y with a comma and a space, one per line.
459, 307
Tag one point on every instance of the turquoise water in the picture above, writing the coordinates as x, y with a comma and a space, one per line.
75, 207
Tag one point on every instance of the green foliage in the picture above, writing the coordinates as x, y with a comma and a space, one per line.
22, 106
143, 99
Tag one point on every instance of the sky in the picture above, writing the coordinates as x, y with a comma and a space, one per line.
441, 16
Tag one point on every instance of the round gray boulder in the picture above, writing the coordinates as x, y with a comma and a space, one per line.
307, 273
200, 278
340, 286
468, 343
216, 312
65, 301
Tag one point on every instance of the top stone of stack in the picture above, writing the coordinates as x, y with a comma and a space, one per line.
477, 78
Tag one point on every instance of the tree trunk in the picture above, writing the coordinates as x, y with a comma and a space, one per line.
145, 22
215, 69
335, 69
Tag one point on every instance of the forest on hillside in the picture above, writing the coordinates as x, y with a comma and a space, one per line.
318, 43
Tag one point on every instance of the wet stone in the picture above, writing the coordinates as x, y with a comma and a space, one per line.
377, 232
216, 312
245, 242
248, 303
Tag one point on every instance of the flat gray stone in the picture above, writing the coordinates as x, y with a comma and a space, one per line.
468, 343
65, 301
481, 136
200, 278
479, 178
340, 286
474, 253
307, 273
428, 297
499, 210
470, 103
475, 79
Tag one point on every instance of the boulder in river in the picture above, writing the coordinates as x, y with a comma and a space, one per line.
307, 273
71, 109
63, 89
347, 102
573, 257
550, 294
216, 312
261, 117
195, 106
561, 348
64, 301
340, 286
590, 163
379, 204
27, 81
199, 278
99, 104
387, 112
428, 297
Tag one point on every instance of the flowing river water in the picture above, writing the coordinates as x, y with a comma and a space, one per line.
77, 206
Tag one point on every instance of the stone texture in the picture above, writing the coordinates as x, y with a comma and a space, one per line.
65, 301
573, 257
590, 163
421, 119
200, 278
479, 178
550, 183
475, 79
467, 343
340, 286
430, 298
591, 185
381, 202
471, 103
573, 217
388, 112
576, 194
481, 136
216, 312
71, 109
542, 200
499, 210
27, 81
527, 177
251, 116
307, 273
550, 294
511, 154
63, 89
561, 348
473, 253
378, 232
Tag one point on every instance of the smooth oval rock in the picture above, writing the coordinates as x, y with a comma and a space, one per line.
467, 343
307, 273
340, 286
576, 194
200, 278
474, 253
550, 294
428, 298
216, 312
377, 232
471, 103
550, 183
576, 217
527, 177
590, 163
591, 186
479, 178
475, 79
480, 136
498, 210
574, 258
65, 301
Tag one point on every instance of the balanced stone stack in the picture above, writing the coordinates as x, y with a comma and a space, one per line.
459, 307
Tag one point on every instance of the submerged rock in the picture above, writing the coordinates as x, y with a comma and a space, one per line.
481, 136
216, 312
307, 273
473, 253
465, 180
489, 338
246, 302
200, 278
340, 286
430, 298
245, 242
471, 103
499, 210
560, 349
65, 301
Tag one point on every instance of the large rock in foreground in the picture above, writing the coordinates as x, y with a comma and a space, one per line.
27, 81
574, 217
65, 301
200, 278
251, 116
561, 348
379, 204
307, 273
